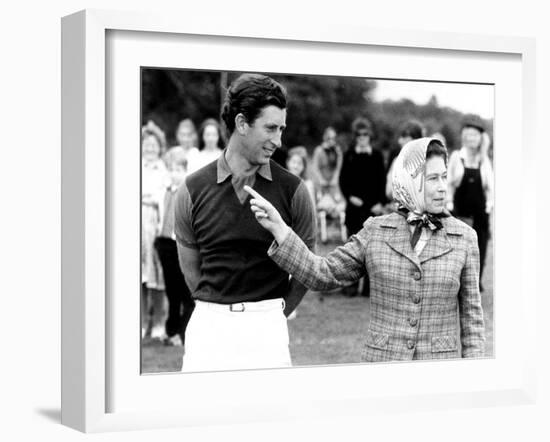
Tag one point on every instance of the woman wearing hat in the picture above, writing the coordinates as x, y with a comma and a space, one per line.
423, 265
471, 182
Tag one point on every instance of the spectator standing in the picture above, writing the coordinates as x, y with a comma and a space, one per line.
362, 182
471, 182
326, 166
180, 302
296, 164
154, 177
186, 135
211, 145
362, 178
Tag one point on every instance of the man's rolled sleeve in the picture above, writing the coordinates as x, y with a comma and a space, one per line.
183, 229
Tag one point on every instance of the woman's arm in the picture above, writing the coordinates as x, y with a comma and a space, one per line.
472, 329
341, 267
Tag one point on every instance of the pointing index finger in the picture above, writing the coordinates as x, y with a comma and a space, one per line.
252, 192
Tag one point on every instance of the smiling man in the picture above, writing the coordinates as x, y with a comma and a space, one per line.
242, 297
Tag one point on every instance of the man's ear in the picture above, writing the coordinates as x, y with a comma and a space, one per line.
241, 124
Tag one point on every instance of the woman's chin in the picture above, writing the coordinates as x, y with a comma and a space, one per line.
436, 210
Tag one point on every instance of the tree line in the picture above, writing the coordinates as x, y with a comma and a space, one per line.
315, 102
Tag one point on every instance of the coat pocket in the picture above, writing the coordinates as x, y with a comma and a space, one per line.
443, 343
377, 340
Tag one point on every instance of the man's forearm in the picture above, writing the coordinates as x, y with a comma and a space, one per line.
191, 279
189, 260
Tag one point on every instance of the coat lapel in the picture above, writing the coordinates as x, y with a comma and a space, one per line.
400, 241
437, 245
400, 238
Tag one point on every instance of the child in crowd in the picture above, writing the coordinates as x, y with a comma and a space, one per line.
296, 164
186, 136
180, 302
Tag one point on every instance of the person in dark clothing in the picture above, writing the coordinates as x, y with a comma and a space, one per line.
471, 183
362, 181
180, 302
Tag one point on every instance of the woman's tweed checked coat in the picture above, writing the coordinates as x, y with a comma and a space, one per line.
422, 307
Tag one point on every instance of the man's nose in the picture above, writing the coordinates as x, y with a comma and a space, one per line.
276, 139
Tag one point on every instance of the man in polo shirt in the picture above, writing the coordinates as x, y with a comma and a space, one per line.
242, 297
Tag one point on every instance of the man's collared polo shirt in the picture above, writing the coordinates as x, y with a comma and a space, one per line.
212, 215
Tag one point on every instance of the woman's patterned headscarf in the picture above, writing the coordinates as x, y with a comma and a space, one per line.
408, 175
408, 188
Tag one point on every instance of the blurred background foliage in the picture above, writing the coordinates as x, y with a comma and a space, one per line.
315, 102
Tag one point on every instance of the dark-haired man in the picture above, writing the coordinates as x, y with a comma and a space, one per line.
242, 297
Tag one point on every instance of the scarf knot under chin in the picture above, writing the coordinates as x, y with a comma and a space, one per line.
427, 220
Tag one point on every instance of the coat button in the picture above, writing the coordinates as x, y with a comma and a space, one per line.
417, 276
410, 345
413, 322
416, 299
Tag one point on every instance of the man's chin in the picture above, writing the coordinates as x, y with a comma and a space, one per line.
263, 160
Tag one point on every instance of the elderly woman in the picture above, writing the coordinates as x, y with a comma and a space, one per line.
423, 265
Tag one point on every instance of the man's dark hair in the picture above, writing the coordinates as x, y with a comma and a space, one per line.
412, 128
248, 95
436, 149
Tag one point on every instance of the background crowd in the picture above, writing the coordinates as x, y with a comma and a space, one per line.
346, 164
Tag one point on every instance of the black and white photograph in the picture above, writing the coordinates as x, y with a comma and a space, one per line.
304, 220
275, 221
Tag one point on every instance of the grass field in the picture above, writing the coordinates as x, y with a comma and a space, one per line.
328, 328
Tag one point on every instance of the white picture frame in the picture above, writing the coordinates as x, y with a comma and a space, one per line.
86, 237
